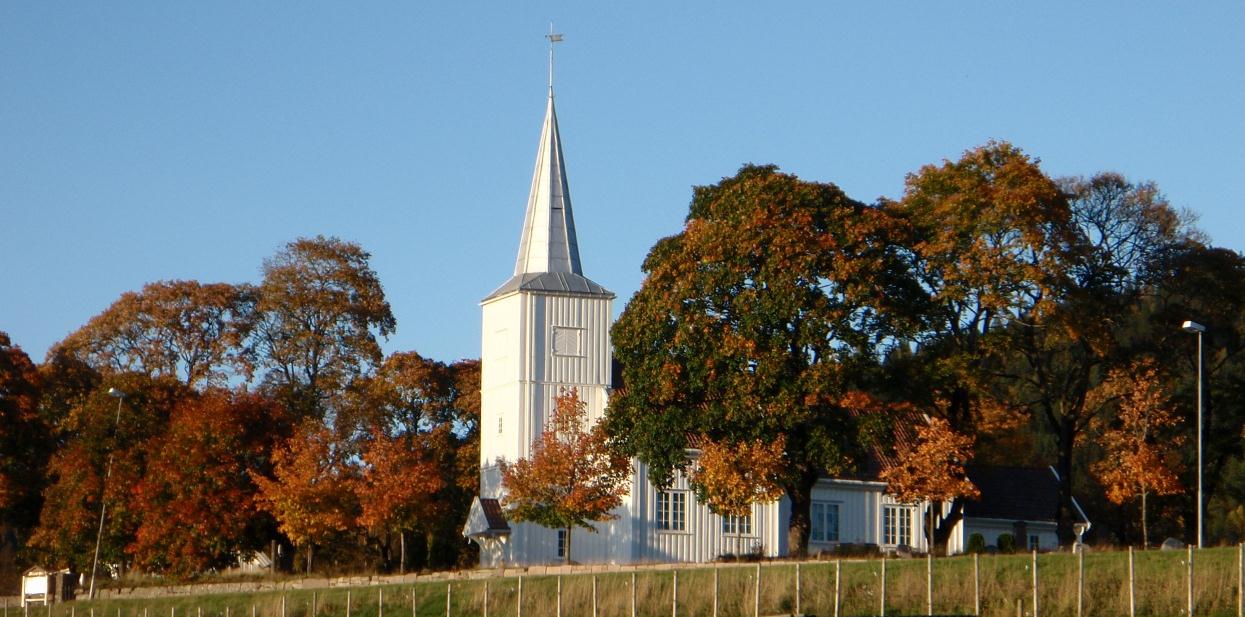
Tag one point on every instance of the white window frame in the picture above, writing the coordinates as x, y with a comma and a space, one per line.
670, 511
897, 525
816, 521
737, 525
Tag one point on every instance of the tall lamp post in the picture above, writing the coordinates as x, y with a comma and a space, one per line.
99, 535
1192, 327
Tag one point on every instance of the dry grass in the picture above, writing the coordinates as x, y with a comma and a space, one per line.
1004, 580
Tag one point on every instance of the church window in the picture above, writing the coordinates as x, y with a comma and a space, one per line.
499, 417
672, 510
567, 341
896, 526
737, 525
825, 522
561, 543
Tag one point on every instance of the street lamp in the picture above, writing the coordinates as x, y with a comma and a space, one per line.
99, 535
1192, 327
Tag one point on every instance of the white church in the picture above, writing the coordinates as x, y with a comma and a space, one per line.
548, 328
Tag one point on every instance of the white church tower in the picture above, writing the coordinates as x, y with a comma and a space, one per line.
544, 330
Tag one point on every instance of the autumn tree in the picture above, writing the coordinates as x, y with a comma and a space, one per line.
320, 309
187, 330
752, 324
310, 491
572, 479
24, 438
196, 503
434, 409
1125, 235
1140, 450
397, 487
990, 241
931, 469
103, 457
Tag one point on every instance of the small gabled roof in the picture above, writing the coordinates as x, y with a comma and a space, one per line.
551, 282
486, 519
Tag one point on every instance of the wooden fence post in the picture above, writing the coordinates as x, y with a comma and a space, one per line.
976, 585
282, 606
715, 590
1132, 589
929, 583
1240, 580
313, 605
485, 600
380, 601
674, 596
797, 589
559, 595
1080, 580
347, 603
632, 593
1036, 606
414, 604
449, 594
838, 571
518, 600
882, 594
1189, 564
756, 597
594, 595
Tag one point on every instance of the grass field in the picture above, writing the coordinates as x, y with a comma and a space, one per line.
1003, 580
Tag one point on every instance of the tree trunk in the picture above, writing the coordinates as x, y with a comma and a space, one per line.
946, 524
1066, 515
309, 549
402, 552
800, 525
566, 557
1145, 532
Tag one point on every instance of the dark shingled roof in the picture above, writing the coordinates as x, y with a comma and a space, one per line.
494, 514
1014, 493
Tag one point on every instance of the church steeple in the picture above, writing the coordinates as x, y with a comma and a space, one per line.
548, 243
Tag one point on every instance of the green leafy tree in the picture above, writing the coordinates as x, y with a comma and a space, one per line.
572, 479
752, 325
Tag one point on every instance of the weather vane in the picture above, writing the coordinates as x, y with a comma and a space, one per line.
553, 38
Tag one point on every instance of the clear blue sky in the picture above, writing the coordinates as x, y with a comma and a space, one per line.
142, 141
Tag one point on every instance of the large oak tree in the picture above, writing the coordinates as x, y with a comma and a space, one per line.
752, 325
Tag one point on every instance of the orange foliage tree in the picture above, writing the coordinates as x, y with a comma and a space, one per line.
1141, 455
729, 478
572, 478
24, 436
931, 469
310, 492
188, 330
197, 501
398, 484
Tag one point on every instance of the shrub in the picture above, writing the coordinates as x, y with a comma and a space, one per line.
1006, 543
976, 543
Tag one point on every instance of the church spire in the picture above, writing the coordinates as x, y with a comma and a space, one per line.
548, 242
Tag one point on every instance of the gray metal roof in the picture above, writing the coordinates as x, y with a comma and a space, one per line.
548, 243
550, 282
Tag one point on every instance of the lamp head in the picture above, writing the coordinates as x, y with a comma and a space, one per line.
1192, 327
115, 393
